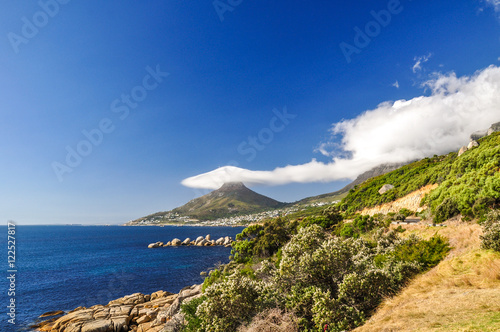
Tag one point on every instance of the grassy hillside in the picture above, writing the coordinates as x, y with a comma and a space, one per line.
330, 269
340, 194
462, 293
468, 185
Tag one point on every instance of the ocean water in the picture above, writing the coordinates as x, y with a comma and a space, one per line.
64, 267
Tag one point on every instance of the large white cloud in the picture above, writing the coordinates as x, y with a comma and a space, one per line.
399, 131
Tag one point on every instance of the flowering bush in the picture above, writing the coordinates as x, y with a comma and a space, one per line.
234, 300
322, 280
491, 231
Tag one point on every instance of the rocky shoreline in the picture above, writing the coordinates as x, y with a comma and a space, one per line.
199, 242
157, 312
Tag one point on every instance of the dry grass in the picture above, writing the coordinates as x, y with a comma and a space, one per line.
272, 320
462, 293
410, 202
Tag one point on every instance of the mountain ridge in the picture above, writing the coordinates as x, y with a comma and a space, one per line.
339, 194
231, 199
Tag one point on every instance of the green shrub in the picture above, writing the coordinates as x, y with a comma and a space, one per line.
446, 210
262, 241
360, 225
339, 282
348, 230
405, 212
324, 280
232, 302
189, 309
491, 231
212, 277
427, 253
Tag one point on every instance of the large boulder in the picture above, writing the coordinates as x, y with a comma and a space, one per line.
472, 144
176, 242
385, 188
199, 239
220, 241
201, 243
208, 238
227, 241
155, 245
186, 242
462, 150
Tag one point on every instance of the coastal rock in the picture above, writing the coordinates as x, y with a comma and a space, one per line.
200, 242
101, 325
159, 294
185, 295
227, 241
385, 188
143, 319
155, 245
120, 323
52, 313
174, 323
135, 312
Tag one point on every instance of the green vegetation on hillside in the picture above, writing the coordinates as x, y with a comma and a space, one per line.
229, 200
311, 270
468, 185
328, 268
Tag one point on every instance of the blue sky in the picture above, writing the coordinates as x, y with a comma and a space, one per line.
73, 67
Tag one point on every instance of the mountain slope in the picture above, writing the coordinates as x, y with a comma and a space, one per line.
230, 199
462, 293
469, 184
339, 194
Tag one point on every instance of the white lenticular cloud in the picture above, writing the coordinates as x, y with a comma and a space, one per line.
394, 132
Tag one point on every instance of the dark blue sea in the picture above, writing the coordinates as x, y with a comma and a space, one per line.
64, 267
